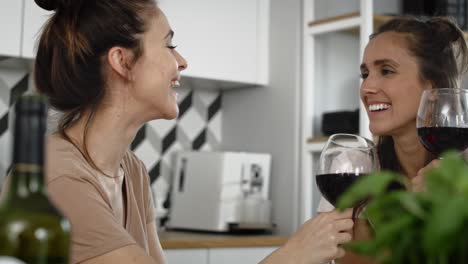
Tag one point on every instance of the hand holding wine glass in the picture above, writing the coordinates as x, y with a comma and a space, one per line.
442, 120
343, 160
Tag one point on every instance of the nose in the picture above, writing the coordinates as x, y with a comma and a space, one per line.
181, 62
369, 86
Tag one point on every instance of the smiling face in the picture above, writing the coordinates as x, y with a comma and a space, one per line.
157, 71
392, 86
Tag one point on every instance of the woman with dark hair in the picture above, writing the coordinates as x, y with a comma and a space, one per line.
403, 58
110, 66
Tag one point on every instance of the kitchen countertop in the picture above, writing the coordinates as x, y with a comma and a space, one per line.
181, 240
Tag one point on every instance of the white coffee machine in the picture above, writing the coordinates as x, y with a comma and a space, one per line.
221, 191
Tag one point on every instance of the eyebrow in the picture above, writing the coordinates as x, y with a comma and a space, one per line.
170, 34
381, 62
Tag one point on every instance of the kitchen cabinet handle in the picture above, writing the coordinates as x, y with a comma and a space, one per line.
182, 174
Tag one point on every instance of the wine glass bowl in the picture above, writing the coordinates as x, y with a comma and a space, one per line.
442, 120
344, 158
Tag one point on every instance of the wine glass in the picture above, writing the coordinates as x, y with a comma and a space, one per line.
344, 158
442, 120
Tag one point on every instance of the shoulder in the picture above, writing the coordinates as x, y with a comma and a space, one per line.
133, 163
63, 159
136, 170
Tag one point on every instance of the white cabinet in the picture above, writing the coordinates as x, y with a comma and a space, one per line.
11, 21
244, 255
34, 19
222, 39
182, 256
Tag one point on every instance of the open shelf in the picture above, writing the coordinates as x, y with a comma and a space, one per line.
378, 19
316, 144
354, 29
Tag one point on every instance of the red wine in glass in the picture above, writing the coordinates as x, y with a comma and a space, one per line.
439, 139
332, 185
344, 158
442, 119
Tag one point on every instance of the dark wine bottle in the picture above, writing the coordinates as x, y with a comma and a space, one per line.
32, 230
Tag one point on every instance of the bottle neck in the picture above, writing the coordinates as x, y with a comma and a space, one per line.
27, 175
26, 180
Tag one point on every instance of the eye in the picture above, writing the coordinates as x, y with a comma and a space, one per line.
364, 75
172, 46
387, 71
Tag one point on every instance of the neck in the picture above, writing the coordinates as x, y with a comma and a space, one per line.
108, 136
410, 152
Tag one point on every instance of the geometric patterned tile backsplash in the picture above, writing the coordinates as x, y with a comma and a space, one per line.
198, 127
13, 83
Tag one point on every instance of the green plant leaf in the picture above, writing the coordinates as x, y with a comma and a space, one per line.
450, 177
392, 229
405, 249
443, 224
409, 201
368, 248
384, 207
426, 227
368, 186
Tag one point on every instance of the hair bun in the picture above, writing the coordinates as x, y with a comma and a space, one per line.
47, 4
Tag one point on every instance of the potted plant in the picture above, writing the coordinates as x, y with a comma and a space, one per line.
406, 227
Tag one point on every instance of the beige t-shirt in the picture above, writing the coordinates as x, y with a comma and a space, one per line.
74, 188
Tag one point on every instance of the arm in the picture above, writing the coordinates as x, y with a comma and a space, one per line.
131, 254
154, 245
317, 241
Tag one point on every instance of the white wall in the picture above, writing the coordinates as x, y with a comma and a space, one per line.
266, 119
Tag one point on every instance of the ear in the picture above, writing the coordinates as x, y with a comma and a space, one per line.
119, 61
428, 84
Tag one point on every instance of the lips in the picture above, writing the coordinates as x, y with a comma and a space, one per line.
175, 84
378, 107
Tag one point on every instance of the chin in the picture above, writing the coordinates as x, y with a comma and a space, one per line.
166, 114
377, 131
172, 114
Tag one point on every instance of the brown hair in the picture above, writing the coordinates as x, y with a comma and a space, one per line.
439, 47
69, 66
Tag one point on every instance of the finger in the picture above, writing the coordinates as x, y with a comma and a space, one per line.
346, 214
343, 237
418, 179
339, 253
434, 164
343, 225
